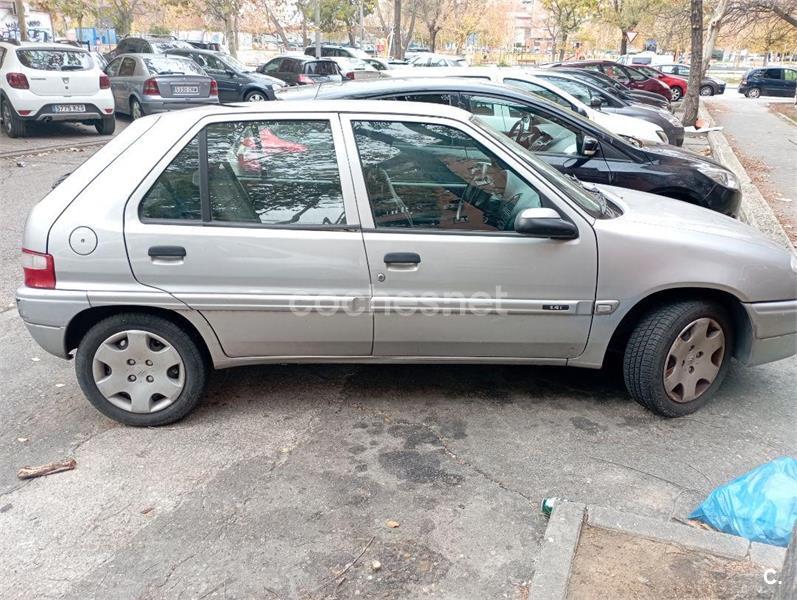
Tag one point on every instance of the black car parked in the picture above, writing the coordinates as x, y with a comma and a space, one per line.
570, 143
593, 96
769, 81
618, 89
236, 81
302, 70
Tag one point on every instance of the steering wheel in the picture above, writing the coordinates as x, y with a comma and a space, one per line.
528, 135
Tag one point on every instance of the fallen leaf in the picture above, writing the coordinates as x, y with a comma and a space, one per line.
60, 384
375, 565
147, 510
35, 359
22, 439
392, 524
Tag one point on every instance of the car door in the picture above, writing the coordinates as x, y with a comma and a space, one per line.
253, 223
772, 82
557, 141
451, 278
790, 82
229, 83
112, 70
125, 82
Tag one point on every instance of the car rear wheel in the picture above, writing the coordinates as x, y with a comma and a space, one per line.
677, 93
706, 90
255, 96
140, 370
106, 125
13, 125
136, 112
753, 93
677, 356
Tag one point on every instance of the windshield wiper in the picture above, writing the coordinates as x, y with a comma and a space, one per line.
594, 191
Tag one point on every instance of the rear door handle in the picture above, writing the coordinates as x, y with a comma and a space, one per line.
406, 258
172, 252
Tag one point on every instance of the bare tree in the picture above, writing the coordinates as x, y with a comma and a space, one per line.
434, 14
692, 99
398, 47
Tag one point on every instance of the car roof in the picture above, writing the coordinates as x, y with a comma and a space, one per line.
42, 46
414, 85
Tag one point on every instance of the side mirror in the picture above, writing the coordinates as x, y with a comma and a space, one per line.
590, 146
545, 223
230, 73
595, 102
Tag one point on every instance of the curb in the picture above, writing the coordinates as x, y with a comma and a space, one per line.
755, 210
53, 148
552, 573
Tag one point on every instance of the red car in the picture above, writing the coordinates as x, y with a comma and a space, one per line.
630, 77
677, 84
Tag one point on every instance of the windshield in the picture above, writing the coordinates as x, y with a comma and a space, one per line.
46, 59
169, 65
588, 201
648, 71
233, 62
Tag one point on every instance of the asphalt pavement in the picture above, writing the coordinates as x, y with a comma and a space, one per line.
286, 475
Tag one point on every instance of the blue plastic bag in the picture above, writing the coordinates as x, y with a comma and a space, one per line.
760, 505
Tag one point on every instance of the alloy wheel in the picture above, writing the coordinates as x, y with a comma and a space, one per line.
135, 110
138, 371
706, 91
694, 360
676, 94
255, 97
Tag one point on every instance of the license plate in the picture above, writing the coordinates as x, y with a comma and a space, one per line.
69, 108
186, 90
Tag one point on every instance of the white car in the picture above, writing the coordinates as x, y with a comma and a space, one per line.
628, 127
52, 82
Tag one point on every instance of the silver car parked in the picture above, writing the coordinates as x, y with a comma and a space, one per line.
380, 231
144, 84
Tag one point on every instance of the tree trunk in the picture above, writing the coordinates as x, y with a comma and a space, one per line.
713, 31
563, 49
433, 39
410, 30
278, 26
692, 100
350, 33
19, 5
623, 42
398, 47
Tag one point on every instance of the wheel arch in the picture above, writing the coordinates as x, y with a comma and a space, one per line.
84, 320
743, 328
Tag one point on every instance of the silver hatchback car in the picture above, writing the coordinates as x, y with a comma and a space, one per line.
380, 232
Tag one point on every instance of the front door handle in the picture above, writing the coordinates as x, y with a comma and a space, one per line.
406, 258
166, 252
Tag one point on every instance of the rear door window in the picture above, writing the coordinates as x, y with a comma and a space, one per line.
773, 73
128, 67
274, 173
321, 67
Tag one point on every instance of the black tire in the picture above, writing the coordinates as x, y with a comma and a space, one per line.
136, 110
13, 124
706, 90
649, 346
251, 96
195, 366
106, 125
753, 92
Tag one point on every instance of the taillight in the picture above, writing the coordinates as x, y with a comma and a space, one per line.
214, 88
151, 88
18, 81
105, 82
304, 79
349, 74
39, 269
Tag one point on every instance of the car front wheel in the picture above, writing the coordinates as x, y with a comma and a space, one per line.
13, 125
753, 93
677, 356
676, 93
140, 370
706, 90
255, 96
